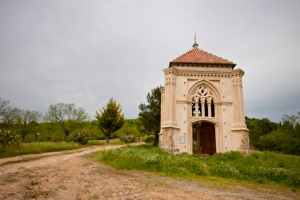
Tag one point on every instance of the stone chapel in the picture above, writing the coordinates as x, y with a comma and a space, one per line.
202, 106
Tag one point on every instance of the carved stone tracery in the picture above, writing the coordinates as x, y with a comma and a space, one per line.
203, 102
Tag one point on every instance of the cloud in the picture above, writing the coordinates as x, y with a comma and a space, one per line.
86, 52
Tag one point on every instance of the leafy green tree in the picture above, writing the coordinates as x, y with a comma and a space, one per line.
66, 116
110, 118
258, 128
280, 140
286, 138
150, 113
129, 127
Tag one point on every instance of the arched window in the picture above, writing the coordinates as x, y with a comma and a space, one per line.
203, 103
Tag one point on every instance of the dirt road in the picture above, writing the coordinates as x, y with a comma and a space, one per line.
75, 175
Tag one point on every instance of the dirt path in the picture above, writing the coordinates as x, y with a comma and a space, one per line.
75, 175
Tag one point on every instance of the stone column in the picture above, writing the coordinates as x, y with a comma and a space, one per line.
238, 99
202, 99
209, 108
196, 107
170, 89
163, 106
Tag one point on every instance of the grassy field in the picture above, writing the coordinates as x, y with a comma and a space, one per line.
260, 167
43, 147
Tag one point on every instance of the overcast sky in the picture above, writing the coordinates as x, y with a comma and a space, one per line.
85, 52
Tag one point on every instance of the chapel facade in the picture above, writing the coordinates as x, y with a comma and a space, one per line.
202, 106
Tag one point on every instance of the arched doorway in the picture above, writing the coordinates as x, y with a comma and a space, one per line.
204, 138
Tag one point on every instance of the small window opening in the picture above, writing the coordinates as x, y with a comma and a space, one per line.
199, 108
206, 108
212, 108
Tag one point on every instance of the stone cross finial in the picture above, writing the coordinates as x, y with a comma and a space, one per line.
195, 45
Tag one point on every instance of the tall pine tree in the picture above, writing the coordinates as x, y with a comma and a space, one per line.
150, 113
110, 118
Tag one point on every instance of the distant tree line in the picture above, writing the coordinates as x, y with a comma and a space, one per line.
270, 136
65, 122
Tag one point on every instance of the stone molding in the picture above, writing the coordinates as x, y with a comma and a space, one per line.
237, 82
198, 72
170, 80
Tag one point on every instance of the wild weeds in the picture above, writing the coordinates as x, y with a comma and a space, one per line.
153, 160
38, 147
260, 167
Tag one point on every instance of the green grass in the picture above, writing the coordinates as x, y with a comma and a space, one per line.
44, 147
261, 167
38, 147
103, 142
151, 159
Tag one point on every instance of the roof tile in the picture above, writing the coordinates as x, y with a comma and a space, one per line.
198, 56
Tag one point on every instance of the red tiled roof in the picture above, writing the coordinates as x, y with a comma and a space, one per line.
197, 56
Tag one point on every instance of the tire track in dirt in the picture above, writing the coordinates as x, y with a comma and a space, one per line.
75, 175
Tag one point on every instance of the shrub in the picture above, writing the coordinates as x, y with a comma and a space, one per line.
127, 138
150, 139
80, 137
9, 138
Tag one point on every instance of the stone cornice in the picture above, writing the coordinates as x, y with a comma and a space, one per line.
204, 72
237, 73
171, 70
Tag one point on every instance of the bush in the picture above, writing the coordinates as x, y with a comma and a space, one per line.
127, 138
81, 137
150, 139
9, 138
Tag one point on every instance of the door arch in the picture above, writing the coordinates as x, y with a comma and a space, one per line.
204, 138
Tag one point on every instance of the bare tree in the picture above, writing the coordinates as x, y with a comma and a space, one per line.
26, 121
22, 121
11, 115
3, 108
66, 116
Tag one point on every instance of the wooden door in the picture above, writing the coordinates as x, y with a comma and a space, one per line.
207, 138
204, 138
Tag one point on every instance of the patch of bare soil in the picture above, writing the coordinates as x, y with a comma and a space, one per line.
75, 175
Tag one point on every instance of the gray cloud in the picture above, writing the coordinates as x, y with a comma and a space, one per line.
85, 52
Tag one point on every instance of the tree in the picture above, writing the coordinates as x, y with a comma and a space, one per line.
150, 113
258, 128
110, 118
11, 116
286, 138
291, 123
3, 108
22, 121
27, 121
67, 116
